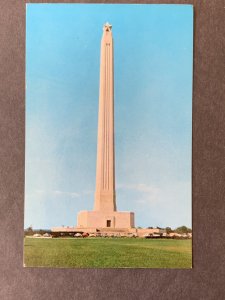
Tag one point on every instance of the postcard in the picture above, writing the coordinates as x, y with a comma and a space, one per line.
108, 150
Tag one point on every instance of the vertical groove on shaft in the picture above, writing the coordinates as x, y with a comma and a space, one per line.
108, 96
104, 125
106, 82
103, 135
106, 118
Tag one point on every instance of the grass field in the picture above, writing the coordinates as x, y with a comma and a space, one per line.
107, 253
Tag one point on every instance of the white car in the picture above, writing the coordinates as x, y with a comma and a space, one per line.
77, 234
92, 235
37, 235
47, 235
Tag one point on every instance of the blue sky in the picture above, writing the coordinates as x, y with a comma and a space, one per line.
153, 49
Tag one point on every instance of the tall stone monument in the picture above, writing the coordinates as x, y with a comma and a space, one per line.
105, 213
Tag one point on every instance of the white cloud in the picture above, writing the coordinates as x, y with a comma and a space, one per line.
63, 193
147, 188
141, 187
146, 193
88, 192
53, 193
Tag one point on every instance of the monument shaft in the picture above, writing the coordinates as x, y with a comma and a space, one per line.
105, 214
105, 199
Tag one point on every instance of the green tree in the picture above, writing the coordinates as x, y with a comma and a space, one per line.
29, 230
168, 230
183, 229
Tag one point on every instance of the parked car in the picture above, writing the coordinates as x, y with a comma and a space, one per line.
37, 235
147, 236
77, 235
47, 235
92, 235
133, 235
85, 234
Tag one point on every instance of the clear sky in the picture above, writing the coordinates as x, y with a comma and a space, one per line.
153, 52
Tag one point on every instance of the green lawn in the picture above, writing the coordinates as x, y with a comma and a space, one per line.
107, 253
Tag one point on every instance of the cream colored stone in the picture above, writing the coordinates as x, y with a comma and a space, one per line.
105, 213
105, 198
98, 219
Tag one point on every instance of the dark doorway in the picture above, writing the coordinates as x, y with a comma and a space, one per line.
108, 223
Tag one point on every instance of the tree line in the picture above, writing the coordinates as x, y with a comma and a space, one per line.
181, 229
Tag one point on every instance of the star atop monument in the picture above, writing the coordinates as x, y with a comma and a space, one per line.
107, 26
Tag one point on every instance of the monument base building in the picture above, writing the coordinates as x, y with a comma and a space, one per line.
98, 219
